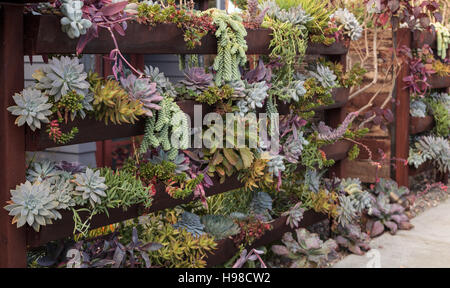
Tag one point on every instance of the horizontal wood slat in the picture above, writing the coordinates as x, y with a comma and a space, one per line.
44, 36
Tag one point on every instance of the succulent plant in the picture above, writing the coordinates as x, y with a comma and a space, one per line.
197, 80
163, 84
326, 133
33, 204
261, 205
294, 215
191, 223
256, 94
32, 107
40, 171
325, 76
293, 146
219, 226
305, 251
385, 215
90, 186
73, 23
144, 91
63, 191
111, 103
343, 17
312, 179
180, 161
71, 167
62, 75
418, 109
361, 198
238, 87
275, 165
352, 238
435, 149
295, 15
346, 210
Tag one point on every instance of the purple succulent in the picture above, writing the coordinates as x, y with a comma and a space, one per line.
71, 167
196, 79
143, 90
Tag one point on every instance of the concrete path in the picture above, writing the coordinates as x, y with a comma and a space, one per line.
426, 245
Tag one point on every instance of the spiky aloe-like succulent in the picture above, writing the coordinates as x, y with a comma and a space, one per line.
72, 23
163, 84
346, 19
261, 205
352, 238
325, 76
180, 161
275, 165
144, 91
219, 226
62, 75
418, 109
305, 251
90, 186
33, 204
32, 107
191, 223
40, 171
197, 80
111, 103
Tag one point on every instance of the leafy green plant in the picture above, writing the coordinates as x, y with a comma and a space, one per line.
181, 249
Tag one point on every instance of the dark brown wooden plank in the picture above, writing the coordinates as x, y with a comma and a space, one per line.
226, 248
439, 82
420, 124
403, 37
64, 227
337, 151
44, 36
12, 143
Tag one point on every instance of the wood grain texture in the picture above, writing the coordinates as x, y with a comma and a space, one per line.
12, 144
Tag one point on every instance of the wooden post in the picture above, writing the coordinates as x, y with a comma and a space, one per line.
12, 138
334, 117
402, 37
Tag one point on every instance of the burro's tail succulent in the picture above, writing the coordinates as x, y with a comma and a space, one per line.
31, 107
305, 251
33, 204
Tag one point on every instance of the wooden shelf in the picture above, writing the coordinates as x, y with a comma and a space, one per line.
91, 130
337, 151
44, 36
438, 82
420, 124
227, 249
64, 227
